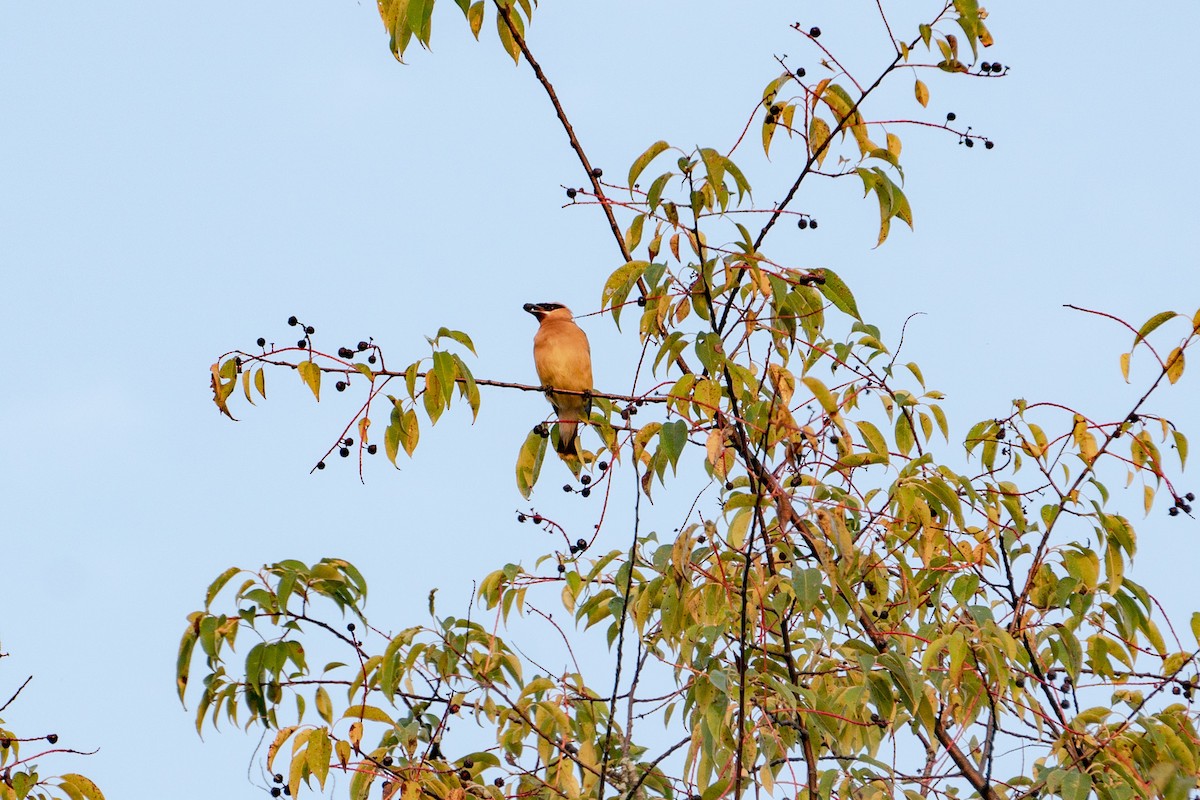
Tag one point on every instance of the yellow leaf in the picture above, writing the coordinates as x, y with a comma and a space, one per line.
818, 139
356, 733
714, 446
893, 144
310, 373
1175, 365
922, 92
1125, 366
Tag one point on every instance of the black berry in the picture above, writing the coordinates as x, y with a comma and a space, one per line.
996, 66
985, 67
350, 627
52, 738
988, 145
262, 342
585, 479
344, 452
387, 761
293, 321
951, 117
802, 224
521, 517
814, 32
340, 386
278, 778
970, 143
812, 223
464, 774
571, 193
641, 301
301, 343
310, 330
566, 487
362, 346
581, 544
276, 791
1173, 511
347, 441
603, 466
320, 465
1190, 497
498, 782
537, 519
371, 359
372, 449
562, 568
597, 172
586, 491
800, 73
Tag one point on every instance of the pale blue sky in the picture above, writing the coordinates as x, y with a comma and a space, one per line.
176, 184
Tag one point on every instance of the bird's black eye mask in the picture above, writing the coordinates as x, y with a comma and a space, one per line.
540, 309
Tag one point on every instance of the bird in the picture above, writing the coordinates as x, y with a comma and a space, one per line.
563, 360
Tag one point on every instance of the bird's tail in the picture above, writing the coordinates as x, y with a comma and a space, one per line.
568, 432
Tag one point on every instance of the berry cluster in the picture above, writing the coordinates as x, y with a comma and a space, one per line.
807, 222
994, 68
1183, 504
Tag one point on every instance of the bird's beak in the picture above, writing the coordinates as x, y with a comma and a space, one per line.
530, 308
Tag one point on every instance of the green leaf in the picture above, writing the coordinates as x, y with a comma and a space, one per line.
1181, 447
468, 387
432, 397
216, 586
319, 753
618, 286
807, 583
506, 37
324, 705
672, 437
1153, 324
457, 336
838, 293
310, 373
641, 162
1076, 785
475, 20
529, 463
822, 394
444, 368
633, 236
656, 189
367, 713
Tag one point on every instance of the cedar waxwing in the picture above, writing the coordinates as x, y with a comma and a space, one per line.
564, 361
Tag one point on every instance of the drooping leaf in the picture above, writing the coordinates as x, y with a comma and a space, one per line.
529, 462
310, 373
922, 93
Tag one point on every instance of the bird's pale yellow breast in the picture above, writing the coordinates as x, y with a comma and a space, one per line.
562, 355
